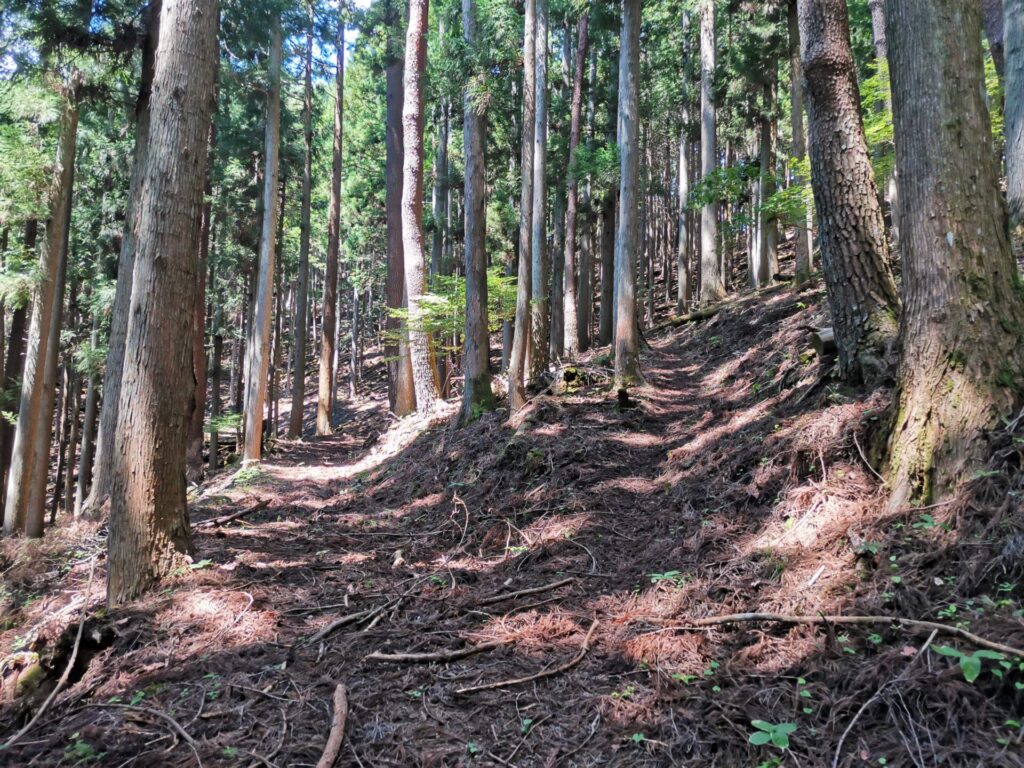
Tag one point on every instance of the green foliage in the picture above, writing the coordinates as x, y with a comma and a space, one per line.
776, 734
970, 664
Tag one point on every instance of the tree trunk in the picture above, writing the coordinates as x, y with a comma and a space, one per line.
570, 315
401, 395
216, 373
539, 266
521, 333
992, 20
1014, 35
105, 441
149, 526
439, 202
325, 393
712, 287
88, 427
796, 97
627, 341
24, 504
585, 291
962, 362
476, 393
196, 433
14, 365
258, 348
854, 251
424, 383
301, 327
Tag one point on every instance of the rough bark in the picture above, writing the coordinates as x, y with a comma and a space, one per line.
712, 285
570, 316
103, 463
627, 334
88, 427
476, 394
196, 433
424, 383
24, 508
401, 395
540, 323
258, 348
1014, 112
14, 365
439, 194
328, 349
796, 99
992, 21
585, 290
300, 323
521, 331
854, 251
962, 358
149, 528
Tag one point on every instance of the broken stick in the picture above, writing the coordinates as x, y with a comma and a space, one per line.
415, 658
337, 734
216, 522
546, 672
521, 592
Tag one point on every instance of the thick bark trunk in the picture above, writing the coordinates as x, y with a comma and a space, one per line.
796, 98
854, 251
328, 345
521, 332
768, 257
992, 21
149, 528
300, 327
585, 291
962, 362
88, 428
24, 508
571, 318
258, 348
540, 325
424, 383
476, 394
439, 195
401, 395
1014, 35
712, 286
627, 336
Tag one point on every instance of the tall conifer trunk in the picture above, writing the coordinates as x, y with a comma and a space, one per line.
1013, 28
540, 324
571, 315
149, 528
712, 285
961, 337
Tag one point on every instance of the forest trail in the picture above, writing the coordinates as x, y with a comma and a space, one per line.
736, 481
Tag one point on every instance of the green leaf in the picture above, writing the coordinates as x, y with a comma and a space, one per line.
761, 725
760, 738
989, 655
971, 666
780, 740
945, 650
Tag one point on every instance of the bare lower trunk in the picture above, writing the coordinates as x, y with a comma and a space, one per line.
424, 383
796, 101
854, 251
258, 348
608, 229
300, 325
25, 502
712, 287
477, 395
571, 316
149, 528
962, 363
1014, 35
521, 332
14, 365
328, 345
627, 341
88, 428
992, 22
540, 325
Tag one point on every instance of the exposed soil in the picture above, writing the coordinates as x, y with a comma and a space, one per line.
737, 479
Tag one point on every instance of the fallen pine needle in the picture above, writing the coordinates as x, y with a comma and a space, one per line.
415, 658
546, 672
779, 618
337, 734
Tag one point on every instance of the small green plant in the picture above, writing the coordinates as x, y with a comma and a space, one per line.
625, 693
230, 751
81, 752
970, 664
473, 748
638, 738
524, 726
670, 578
776, 734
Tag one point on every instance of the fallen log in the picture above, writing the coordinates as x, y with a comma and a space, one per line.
216, 522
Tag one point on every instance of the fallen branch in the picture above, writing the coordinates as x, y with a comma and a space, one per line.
520, 593
67, 670
173, 724
337, 734
546, 672
779, 618
416, 658
690, 317
219, 521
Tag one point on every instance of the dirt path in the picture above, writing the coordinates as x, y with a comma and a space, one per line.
733, 484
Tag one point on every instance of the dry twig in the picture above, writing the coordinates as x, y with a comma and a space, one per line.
216, 522
337, 735
173, 724
415, 658
532, 591
546, 672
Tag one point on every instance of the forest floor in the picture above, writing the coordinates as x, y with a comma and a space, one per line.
569, 554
